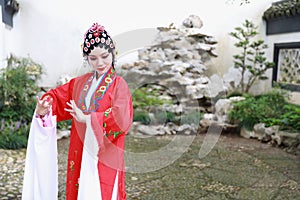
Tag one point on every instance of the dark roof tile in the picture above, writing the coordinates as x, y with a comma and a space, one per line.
285, 8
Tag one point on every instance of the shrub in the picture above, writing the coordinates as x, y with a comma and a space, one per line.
17, 100
165, 117
289, 120
141, 116
18, 88
147, 96
256, 109
13, 135
192, 117
270, 109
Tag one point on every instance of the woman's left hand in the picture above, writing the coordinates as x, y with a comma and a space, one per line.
76, 112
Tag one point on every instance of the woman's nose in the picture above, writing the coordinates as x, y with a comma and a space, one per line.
100, 62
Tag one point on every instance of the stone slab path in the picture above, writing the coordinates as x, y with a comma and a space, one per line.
236, 168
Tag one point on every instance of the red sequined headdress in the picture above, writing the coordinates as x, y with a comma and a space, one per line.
97, 36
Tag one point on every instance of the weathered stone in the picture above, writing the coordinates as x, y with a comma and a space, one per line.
210, 40
134, 178
209, 116
237, 99
222, 108
147, 129
232, 79
214, 53
289, 142
10, 160
205, 47
185, 129
177, 59
63, 134
247, 133
266, 138
273, 130
259, 131
11, 196
193, 21
276, 139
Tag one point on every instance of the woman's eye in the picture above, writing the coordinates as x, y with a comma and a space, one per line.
105, 56
93, 59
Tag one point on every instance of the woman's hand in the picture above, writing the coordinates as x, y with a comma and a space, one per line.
43, 106
76, 112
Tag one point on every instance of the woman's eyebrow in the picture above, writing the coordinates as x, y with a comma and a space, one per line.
100, 54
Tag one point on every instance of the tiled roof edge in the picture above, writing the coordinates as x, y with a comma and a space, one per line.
280, 9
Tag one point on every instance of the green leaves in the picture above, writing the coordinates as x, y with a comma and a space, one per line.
18, 88
146, 97
17, 99
271, 109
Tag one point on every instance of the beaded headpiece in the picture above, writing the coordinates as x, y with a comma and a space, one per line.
97, 36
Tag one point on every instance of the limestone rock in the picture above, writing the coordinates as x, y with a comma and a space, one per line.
193, 21
63, 134
222, 108
247, 133
177, 60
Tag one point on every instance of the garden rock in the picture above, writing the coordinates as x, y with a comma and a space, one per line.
178, 59
63, 134
193, 21
222, 108
170, 128
247, 133
288, 141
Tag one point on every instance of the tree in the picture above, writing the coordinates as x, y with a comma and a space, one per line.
252, 57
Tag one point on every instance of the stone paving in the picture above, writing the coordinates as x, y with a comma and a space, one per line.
11, 173
236, 168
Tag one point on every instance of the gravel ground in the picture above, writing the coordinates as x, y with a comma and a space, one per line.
236, 168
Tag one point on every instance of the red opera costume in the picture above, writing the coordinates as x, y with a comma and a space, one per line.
100, 106
111, 117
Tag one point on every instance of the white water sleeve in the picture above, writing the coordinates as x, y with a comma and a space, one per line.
41, 168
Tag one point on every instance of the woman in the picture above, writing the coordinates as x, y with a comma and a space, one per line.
100, 106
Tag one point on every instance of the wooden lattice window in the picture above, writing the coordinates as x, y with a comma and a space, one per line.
287, 65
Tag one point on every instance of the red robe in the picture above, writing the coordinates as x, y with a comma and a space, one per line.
111, 118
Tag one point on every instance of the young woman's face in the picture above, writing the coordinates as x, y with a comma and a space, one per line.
100, 59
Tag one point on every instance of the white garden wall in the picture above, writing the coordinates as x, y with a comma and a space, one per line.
51, 31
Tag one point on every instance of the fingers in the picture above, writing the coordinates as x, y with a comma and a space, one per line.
72, 112
69, 110
75, 112
39, 102
72, 106
51, 101
44, 102
69, 104
43, 105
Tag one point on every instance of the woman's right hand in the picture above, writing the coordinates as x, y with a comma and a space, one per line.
43, 106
